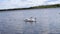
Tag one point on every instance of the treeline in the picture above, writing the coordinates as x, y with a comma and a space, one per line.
44, 6
47, 6
15, 9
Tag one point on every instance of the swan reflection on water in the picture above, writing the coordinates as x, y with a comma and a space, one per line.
30, 24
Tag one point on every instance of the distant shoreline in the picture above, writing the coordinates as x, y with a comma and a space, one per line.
35, 7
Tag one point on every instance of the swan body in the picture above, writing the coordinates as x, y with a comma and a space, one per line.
30, 20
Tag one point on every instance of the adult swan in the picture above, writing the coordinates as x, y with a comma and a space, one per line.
30, 19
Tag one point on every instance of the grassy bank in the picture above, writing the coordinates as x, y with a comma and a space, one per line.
44, 6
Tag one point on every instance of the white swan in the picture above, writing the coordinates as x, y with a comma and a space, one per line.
30, 19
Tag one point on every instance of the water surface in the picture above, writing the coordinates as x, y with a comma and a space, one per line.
48, 21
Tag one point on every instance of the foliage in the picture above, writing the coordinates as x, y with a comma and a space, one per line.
44, 6
47, 6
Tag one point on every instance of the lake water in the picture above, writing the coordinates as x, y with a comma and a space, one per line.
48, 21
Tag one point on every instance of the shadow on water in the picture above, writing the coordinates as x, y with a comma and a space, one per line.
30, 22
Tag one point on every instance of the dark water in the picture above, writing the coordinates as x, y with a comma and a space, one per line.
48, 21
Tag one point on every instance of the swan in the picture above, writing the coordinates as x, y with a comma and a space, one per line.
30, 19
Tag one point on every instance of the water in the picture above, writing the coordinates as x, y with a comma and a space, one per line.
48, 21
